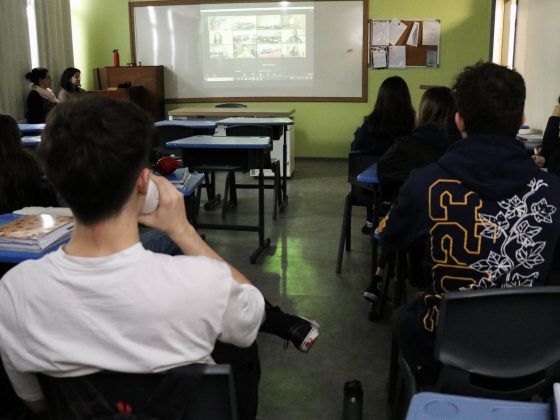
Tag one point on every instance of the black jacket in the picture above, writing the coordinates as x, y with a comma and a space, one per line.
37, 108
425, 145
490, 218
551, 144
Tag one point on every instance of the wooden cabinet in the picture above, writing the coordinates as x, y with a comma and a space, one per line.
150, 78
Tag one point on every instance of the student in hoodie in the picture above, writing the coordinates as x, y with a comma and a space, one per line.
550, 153
434, 133
392, 117
489, 214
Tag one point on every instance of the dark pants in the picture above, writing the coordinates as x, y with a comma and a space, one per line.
246, 367
415, 344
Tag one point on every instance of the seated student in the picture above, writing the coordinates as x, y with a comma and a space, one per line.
550, 151
434, 133
41, 98
102, 301
392, 117
21, 180
70, 85
487, 213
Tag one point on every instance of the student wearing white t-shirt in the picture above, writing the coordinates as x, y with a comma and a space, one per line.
103, 302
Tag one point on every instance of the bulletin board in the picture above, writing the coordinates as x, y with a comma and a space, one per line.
398, 44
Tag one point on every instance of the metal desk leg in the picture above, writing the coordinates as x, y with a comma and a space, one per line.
264, 243
284, 198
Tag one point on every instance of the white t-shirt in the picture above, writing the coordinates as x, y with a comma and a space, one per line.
133, 311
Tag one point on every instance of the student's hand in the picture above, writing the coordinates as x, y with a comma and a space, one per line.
539, 160
170, 216
556, 111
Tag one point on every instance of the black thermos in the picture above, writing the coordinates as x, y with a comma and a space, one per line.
353, 396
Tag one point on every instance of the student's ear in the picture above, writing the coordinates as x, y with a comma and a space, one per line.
460, 123
143, 180
523, 119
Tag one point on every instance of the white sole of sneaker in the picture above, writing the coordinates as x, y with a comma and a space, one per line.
310, 339
370, 297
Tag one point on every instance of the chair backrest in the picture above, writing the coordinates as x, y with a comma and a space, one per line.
252, 130
499, 343
193, 392
231, 105
165, 133
249, 130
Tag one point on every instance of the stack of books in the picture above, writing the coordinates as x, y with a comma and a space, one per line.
33, 233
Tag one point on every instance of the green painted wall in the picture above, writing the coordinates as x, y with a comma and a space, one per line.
322, 129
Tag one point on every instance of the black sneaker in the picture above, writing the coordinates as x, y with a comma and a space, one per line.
303, 334
367, 230
373, 291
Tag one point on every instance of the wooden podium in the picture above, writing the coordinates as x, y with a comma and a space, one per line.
150, 78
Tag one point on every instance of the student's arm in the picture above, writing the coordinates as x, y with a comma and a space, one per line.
394, 167
171, 218
27, 388
405, 222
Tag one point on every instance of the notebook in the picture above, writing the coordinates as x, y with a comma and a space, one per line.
33, 233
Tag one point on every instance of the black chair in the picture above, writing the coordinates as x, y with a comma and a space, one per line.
170, 132
358, 196
165, 133
495, 343
269, 163
193, 392
231, 105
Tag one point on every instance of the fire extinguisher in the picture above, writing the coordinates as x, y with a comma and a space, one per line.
116, 60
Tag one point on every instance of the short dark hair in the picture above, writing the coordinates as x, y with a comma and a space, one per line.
37, 74
490, 99
66, 77
93, 151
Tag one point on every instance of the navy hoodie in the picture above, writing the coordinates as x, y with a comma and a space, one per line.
488, 214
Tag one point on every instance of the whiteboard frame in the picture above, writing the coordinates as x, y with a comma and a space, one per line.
365, 51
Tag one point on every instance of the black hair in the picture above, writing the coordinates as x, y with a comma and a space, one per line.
20, 176
93, 151
393, 114
490, 99
437, 106
65, 79
37, 74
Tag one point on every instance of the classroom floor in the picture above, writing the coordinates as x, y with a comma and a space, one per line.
298, 273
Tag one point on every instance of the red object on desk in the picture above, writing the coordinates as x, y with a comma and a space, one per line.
167, 165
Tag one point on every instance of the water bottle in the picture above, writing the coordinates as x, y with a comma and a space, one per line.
353, 396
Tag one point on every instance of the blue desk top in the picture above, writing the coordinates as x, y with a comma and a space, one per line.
434, 406
369, 176
256, 121
31, 128
187, 123
221, 142
189, 186
15, 257
31, 141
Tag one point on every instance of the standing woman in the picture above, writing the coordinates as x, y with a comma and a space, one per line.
392, 117
70, 85
41, 99
21, 181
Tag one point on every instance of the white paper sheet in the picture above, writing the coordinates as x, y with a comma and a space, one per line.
396, 29
413, 37
430, 33
379, 57
397, 57
380, 33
